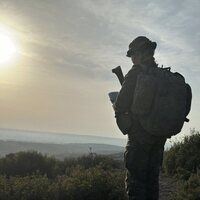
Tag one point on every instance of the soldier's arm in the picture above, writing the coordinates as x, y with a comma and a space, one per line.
125, 96
124, 101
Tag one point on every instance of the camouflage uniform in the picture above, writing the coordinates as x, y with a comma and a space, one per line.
144, 152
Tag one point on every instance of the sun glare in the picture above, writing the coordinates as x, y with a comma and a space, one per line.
7, 48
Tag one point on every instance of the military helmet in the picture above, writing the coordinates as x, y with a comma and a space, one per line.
138, 43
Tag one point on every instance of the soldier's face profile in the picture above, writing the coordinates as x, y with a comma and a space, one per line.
135, 59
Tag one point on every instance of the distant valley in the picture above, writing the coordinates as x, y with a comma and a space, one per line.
59, 145
59, 151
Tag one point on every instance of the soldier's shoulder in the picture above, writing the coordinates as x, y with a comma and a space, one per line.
133, 71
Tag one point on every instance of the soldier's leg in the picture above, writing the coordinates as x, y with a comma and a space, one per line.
153, 172
136, 162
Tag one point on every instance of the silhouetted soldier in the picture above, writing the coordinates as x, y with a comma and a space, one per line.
143, 151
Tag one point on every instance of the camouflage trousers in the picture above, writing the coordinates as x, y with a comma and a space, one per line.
143, 163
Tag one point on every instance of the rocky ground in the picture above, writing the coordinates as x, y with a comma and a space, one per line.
168, 187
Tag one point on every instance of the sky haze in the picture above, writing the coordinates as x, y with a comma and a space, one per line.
60, 76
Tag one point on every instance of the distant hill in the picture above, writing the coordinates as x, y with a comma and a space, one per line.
59, 151
29, 136
56, 138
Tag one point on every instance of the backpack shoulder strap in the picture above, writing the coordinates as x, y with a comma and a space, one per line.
189, 100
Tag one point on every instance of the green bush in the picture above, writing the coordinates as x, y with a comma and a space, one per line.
91, 160
24, 188
93, 183
32, 176
190, 189
85, 184
27, 163
182, 160
183, 157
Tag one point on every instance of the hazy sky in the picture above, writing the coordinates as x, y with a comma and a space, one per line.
59, 79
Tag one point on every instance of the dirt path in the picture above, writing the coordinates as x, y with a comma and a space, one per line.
168, 187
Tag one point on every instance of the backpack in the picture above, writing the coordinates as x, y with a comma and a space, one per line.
161, 101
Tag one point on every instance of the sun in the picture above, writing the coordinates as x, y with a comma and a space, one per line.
7, 48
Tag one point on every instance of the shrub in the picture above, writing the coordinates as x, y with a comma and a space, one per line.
183, 157
24, 188
32, 176
189, 189
85, 184
183, 161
